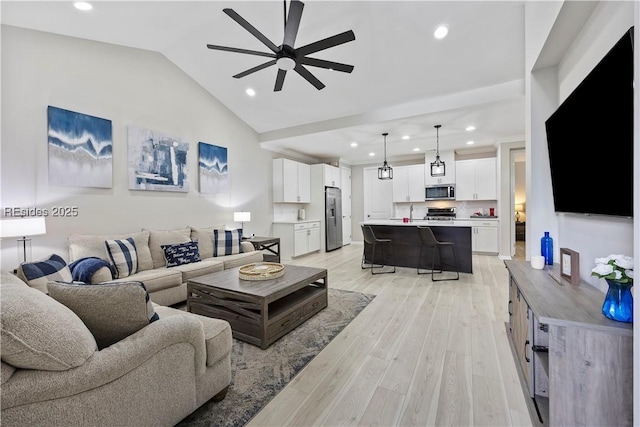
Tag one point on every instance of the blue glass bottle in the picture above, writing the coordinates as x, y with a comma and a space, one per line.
546, 248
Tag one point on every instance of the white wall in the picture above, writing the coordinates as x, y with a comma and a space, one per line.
591, 236
129, 87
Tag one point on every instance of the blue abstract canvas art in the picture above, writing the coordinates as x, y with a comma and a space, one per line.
213, 168
157, 162
80, 149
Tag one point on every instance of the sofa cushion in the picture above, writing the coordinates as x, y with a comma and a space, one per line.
196, 269
157, 238
84, 245
38, 273
204, 237
111, 311
40, 333
217, 333
237, 260
156, 279
122, 254
181, 253
226, 242
7, 371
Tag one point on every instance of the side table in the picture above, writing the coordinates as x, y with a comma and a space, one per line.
271, 246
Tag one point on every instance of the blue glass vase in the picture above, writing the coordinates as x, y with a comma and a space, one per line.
618, 303
546, 248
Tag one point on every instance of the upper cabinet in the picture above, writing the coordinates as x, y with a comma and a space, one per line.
476, 179
291, 181
449, 159
408, 183
331, 175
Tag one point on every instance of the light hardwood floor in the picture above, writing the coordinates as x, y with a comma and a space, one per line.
421, 353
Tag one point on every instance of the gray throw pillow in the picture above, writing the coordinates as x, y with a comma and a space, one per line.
39, 332
111, 311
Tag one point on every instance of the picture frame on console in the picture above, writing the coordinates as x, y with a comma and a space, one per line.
570, 265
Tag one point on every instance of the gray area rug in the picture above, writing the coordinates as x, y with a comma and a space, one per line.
258, 375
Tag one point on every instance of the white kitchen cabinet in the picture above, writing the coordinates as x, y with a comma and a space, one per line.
449, 177
476, 179
331, 175
291, 181
484, 236
297, 239
408, 183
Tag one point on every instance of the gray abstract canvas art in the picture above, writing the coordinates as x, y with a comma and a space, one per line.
157, 162
80, 149
213, 168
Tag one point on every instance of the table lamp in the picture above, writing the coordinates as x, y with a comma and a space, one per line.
242, 217
519, 208
23, 227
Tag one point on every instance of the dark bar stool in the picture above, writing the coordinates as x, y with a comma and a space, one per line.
371, 239
430, 241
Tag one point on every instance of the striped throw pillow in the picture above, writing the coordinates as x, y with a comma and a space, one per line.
226, 242
38, 273
123, 256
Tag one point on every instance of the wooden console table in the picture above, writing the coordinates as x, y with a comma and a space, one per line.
575, 364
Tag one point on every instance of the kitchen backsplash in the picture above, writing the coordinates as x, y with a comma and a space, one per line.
463, 209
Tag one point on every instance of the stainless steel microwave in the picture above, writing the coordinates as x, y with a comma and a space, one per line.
440, 192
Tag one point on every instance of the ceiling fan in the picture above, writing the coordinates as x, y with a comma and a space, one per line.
287, 57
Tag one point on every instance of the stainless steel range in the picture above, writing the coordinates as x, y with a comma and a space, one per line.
440, 214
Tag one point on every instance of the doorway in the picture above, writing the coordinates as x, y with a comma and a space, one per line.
518, 204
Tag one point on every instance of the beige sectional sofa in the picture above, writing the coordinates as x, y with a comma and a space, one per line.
53, 373
166, 286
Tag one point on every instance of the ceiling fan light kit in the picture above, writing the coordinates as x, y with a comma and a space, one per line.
437, 167
285, 57
385, 171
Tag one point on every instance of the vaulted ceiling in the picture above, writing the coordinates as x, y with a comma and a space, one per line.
404, 81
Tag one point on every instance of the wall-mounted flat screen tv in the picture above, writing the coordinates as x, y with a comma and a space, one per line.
590, 139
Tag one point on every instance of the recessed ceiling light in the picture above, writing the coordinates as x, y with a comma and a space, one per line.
83, 5
251, 92
470, 142
470, 128
372, 154
441, 32
405, 137
354, 144
416, 149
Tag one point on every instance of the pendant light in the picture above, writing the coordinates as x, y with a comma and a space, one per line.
437, 167
385, 171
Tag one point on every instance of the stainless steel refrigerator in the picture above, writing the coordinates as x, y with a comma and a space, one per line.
333, 218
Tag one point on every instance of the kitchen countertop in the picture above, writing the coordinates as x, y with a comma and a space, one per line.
296, 222
466, 222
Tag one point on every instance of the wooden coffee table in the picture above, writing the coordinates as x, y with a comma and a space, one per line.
260, 312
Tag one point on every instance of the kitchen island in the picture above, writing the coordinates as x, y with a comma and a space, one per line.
406, 243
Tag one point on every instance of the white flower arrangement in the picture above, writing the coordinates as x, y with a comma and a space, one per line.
614, 267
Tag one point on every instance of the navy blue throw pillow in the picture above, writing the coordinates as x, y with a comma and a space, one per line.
181, 253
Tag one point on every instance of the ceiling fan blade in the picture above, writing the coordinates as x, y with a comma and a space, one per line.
279, 80
254, 69
323, 44
237, 50
293, 22
257, 34
309, 77
336, 66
